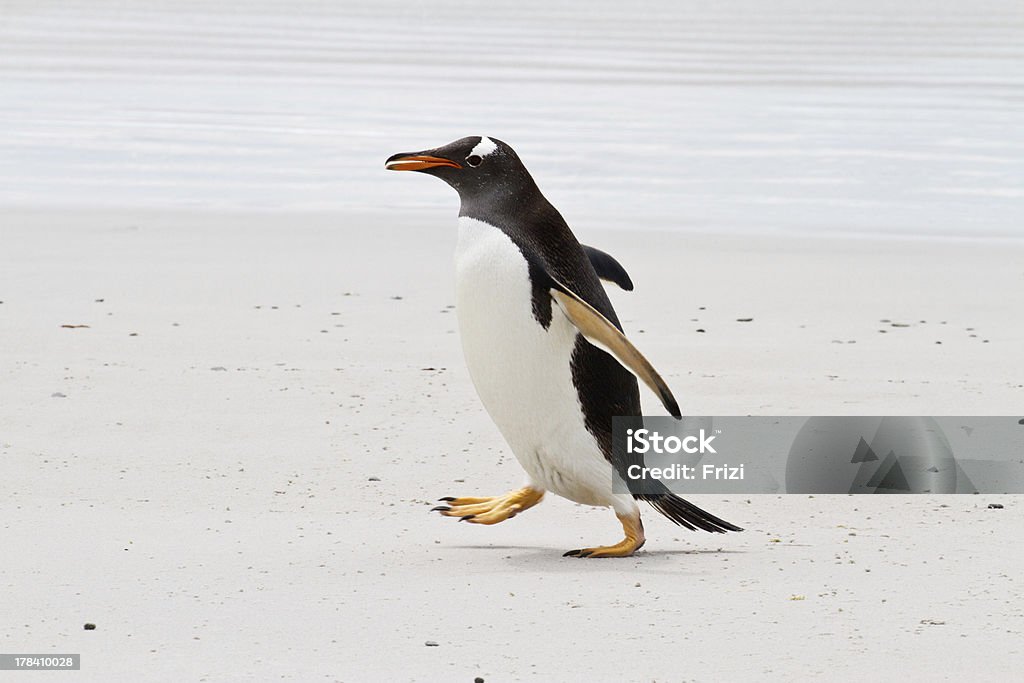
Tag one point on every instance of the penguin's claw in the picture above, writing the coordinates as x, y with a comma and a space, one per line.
624, 548
490, 510
633, 541
458, 502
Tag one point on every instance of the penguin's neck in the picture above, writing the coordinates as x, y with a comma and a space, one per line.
503, 199
525, 215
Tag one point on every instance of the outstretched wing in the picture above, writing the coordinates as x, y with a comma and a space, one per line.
608, 268
599, 331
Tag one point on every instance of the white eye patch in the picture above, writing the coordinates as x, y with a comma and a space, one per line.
484, 147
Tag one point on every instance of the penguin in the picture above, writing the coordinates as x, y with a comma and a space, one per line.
544, 348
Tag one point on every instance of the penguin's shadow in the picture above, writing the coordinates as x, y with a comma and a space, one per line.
550, 560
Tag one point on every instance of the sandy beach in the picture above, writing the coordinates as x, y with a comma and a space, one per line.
229, 468
231, 381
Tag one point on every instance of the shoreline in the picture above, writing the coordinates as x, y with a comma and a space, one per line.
439, 215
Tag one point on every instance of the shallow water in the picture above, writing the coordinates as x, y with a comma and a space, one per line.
849, 116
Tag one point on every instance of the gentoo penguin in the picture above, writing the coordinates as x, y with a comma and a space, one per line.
543, 345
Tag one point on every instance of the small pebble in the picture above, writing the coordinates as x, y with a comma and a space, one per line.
373, 479
995, 506
90, 627
744, 320
431, 643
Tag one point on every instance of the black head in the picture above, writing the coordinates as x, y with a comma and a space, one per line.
476, 167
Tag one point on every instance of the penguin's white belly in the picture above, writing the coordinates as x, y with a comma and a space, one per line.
521, 370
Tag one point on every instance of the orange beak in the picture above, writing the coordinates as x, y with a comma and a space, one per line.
416, 162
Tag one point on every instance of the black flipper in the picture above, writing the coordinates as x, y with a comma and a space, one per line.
600, 332
608, 268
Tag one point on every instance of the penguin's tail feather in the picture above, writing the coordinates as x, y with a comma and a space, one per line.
684, 513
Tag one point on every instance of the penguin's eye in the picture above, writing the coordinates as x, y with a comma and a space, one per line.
474, 160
